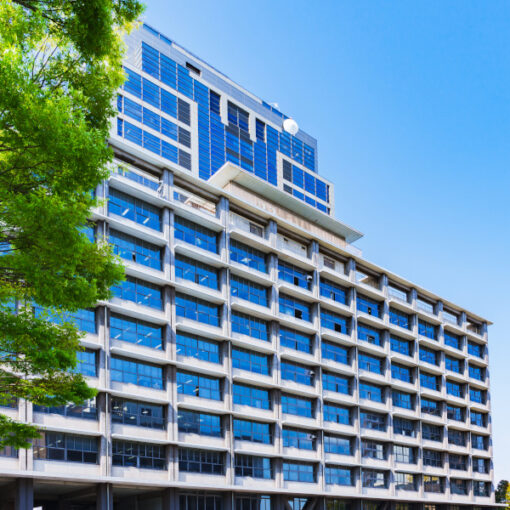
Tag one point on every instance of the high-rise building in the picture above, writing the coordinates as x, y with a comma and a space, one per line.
252, 359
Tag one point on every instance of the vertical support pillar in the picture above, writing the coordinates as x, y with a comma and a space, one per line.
24, 494
104, 496
170, 500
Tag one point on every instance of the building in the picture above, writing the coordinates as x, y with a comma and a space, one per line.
253, 359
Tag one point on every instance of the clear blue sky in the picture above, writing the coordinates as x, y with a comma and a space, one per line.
410, 103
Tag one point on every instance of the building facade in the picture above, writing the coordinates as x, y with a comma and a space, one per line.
252, 359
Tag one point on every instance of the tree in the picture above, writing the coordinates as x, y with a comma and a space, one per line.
501, 491
60, 67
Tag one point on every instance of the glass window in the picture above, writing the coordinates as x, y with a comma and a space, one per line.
373, 450
399, 318
432, 458
477, 396
481, 488
400, 345
432, 432
251, 361
452, 340
206, 501
249, 291
373, 421
369, 334
479, 442
204, 424
84, 319
401, 372
456, 437
139, 455
373, 479
405, 482
196, 272
433, 484
87, 410
251, 326
192, 460
139, 414
475, 349
295, 340
480, 465
335, 352
297, 373
429, 355
9, 451
197, 347
454, 389
294, 307
336, 475
294, 275
199, 385
401, 399
135, 250
248, 256
404, 427
455, 413
86, 363
302, 439
430, 407
371, 392
135, 331
370, 363
133, 372
426, 329
298, 472
458, 486
333, 291
430, 381
253, 466
197, 310
478, 419
458, 462
66, 447
337, 414
453, 364
335, 322
139, 292
134, 209
336, 383
477, 373
338, 444
195, 234
253, 431
297, 406
404, 454
369, 306
251, 396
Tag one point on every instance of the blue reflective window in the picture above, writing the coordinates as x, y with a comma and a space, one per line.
427, 329
477, 396
400, 345
429, 355
454, 413
133, 83
475, 349
333, 291
237, 116
399, 318
196, 235
295, 275
338, 444
401, 399
251, 361
334, 321
140, 292
197, 310
337, 414
372, 421
196, 272
197, 347
297, 373
134, 372
294, 307
87, 363
335, 352
136, 250
248, 256
430, 407
369, 334
432, 432
251, 396
371, 392
401, 372
336, 383
478, 419
370, 363
299, 472
198, 385
253, 431
430, 381
128, 329
253, 466
454, 389
204, 424
248, 290
251, 326
369, 306
479, 442
477, 373
336, 475
295, 340
294, 438
297, 406
134, 209
453, 364
84, 319
452, 340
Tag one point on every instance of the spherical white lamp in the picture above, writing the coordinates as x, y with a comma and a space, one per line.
291, 126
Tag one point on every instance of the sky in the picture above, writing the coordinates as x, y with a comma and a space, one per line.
410, 104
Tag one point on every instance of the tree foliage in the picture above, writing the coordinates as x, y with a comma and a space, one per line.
501, 491
60, 66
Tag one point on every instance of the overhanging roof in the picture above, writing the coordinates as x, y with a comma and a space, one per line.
232, 173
